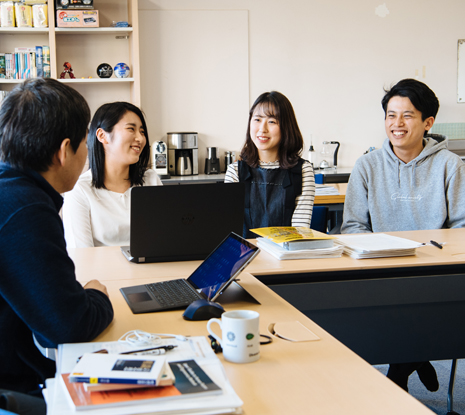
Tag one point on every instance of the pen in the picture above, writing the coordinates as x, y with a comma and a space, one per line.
102, 351
153, 350
436, 244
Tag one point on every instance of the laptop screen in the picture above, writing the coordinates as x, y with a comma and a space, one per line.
221, 265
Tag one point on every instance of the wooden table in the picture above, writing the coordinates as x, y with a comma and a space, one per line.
333, 199
387, 310
321, 377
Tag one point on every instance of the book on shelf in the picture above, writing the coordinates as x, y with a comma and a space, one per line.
39, 61
190, 380
116, 368
46, 61
296, 238
2, 66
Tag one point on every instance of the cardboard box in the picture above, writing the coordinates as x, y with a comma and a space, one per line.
74, 4
77, 18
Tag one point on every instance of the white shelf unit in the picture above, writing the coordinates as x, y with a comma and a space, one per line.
85, 49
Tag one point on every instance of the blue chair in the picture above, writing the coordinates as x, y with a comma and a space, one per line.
319, 178
320, 219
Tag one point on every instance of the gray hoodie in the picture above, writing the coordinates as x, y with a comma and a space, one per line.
385, 194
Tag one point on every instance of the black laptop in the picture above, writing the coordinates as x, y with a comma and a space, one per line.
182, 222
208, 281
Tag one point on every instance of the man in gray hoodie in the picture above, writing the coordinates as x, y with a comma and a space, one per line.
413, 182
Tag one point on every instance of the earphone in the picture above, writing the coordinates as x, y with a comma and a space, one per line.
142, 338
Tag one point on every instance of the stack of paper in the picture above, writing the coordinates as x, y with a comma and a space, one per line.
325, 190
376, 245
192, 351
281, 253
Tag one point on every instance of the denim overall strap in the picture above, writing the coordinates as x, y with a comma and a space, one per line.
270, 196
293, 185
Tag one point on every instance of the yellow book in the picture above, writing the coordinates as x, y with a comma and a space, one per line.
295, 238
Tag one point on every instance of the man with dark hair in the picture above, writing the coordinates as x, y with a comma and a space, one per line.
413, 182
43, 127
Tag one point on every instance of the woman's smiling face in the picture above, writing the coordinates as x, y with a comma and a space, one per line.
265, 134
127, 140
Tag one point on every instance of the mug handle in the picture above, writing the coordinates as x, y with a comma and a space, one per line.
210, 322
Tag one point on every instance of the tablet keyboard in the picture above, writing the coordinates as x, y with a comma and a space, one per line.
174, 293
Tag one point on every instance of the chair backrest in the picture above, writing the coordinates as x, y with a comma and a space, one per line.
320, 219
319, 178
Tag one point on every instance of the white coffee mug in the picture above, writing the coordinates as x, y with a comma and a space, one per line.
241, 335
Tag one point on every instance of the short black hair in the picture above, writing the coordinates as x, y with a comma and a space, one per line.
35, 118
419, 94
276, 105
106, 117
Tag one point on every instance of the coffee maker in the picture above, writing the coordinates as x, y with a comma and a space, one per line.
212, 162
183, 154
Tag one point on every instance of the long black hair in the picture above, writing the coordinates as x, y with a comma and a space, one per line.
106, 117
276, 105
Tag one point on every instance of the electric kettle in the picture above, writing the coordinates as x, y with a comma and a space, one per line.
183, 165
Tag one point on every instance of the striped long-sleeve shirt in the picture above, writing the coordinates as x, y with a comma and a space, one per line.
304, 203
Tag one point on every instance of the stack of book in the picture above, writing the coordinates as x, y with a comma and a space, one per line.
100, 381
25, 63
289, 242
376, 245
190, 379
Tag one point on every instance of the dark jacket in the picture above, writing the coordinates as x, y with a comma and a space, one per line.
39, 293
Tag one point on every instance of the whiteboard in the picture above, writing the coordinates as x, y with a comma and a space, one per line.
195, 75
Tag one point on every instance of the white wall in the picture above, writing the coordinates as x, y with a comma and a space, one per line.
195, 75
332, 59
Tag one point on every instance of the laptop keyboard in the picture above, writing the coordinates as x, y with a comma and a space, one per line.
175, 293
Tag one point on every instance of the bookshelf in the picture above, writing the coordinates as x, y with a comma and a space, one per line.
85, 49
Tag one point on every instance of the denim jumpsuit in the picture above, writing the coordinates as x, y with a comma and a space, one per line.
269, 195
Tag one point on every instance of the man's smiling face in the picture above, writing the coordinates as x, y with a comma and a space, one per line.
405, 127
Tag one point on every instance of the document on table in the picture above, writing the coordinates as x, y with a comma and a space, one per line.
281, 253
325, 190
376, 245
197, 348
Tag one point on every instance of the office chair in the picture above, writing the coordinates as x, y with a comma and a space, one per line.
17, 403
450, 398
320, 219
